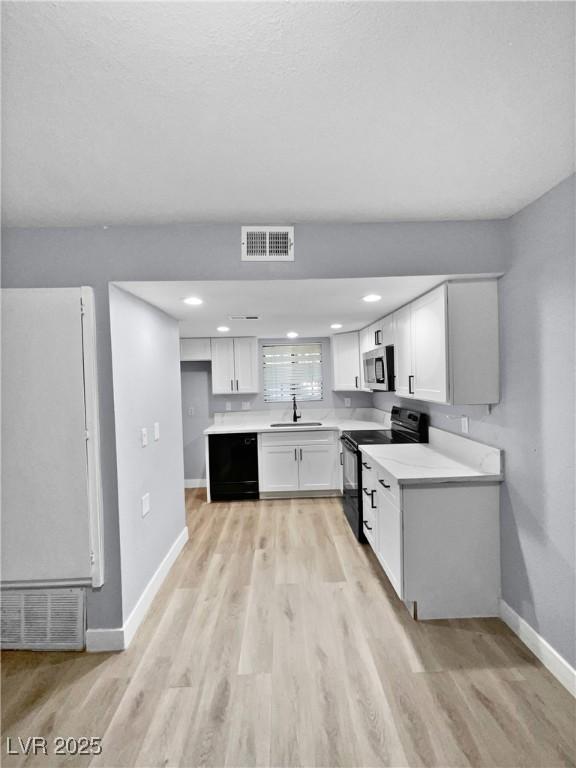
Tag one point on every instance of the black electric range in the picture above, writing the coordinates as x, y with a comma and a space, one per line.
407, 426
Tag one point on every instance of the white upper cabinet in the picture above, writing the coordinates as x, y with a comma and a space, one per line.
222, 366
366, 340
403, 351
195, 349
446, 345
234, 366
387, 326
429, 358
246, 364
346, 361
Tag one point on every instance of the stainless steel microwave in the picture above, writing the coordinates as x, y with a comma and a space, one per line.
379, 368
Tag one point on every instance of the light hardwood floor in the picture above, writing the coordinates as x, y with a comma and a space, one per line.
277, 641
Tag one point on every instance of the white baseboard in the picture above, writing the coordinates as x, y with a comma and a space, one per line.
200, 483
101, 640
118, 639
552, 660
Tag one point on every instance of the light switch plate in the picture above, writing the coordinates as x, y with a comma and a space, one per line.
228, 405
191, 410
464, 425
156, 430
144, 437
347, 402
145, 504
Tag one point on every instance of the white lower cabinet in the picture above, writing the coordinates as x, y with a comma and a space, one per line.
389, 547
439, 544
303, 462
279, 468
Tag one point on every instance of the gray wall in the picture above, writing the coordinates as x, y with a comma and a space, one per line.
534, 422
196, 393
53, 257
145, 364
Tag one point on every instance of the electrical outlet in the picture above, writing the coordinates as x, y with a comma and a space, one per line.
145, 504
156, 430
191, 410
144, 437
228, 405
246, 406
347, 402
464, 425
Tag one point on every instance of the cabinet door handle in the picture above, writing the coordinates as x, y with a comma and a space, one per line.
367, 526
341, 459
237, 387
366, 491
410, 385
373, 506
295, 454
232, 384
366, 465
383, 483
356, 380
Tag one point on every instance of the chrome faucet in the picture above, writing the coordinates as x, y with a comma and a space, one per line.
295, 414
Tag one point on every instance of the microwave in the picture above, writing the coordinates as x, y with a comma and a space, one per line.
379, 368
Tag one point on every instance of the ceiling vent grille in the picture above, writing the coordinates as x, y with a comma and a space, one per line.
267, 243
42, 619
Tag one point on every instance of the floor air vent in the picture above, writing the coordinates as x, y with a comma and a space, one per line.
267, 243
42, 619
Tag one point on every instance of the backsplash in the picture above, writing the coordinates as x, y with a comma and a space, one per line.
312, 414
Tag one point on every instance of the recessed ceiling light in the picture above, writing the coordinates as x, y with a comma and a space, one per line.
371, 297
193, 301
336, 326
223, 329
292, 335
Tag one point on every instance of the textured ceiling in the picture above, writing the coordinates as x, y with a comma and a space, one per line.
269, 112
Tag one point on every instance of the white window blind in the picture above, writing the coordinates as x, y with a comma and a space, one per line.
292, 369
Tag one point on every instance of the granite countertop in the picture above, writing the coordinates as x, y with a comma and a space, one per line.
416, 464
259, 425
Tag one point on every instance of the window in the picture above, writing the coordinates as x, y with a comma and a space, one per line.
292, 369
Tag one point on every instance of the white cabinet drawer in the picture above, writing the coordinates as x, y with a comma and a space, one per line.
389, 486
298, 437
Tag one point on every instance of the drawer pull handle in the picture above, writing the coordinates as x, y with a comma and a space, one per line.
366, 491
366, 465
383, 483
367, 526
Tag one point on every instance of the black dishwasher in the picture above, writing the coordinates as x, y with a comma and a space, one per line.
233, 466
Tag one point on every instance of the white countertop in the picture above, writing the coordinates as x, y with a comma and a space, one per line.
417, 464
259, 425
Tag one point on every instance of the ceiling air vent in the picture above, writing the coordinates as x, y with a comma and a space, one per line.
267, 243
42, 619
243, 317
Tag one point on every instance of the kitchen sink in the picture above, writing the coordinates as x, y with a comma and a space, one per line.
297, 424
